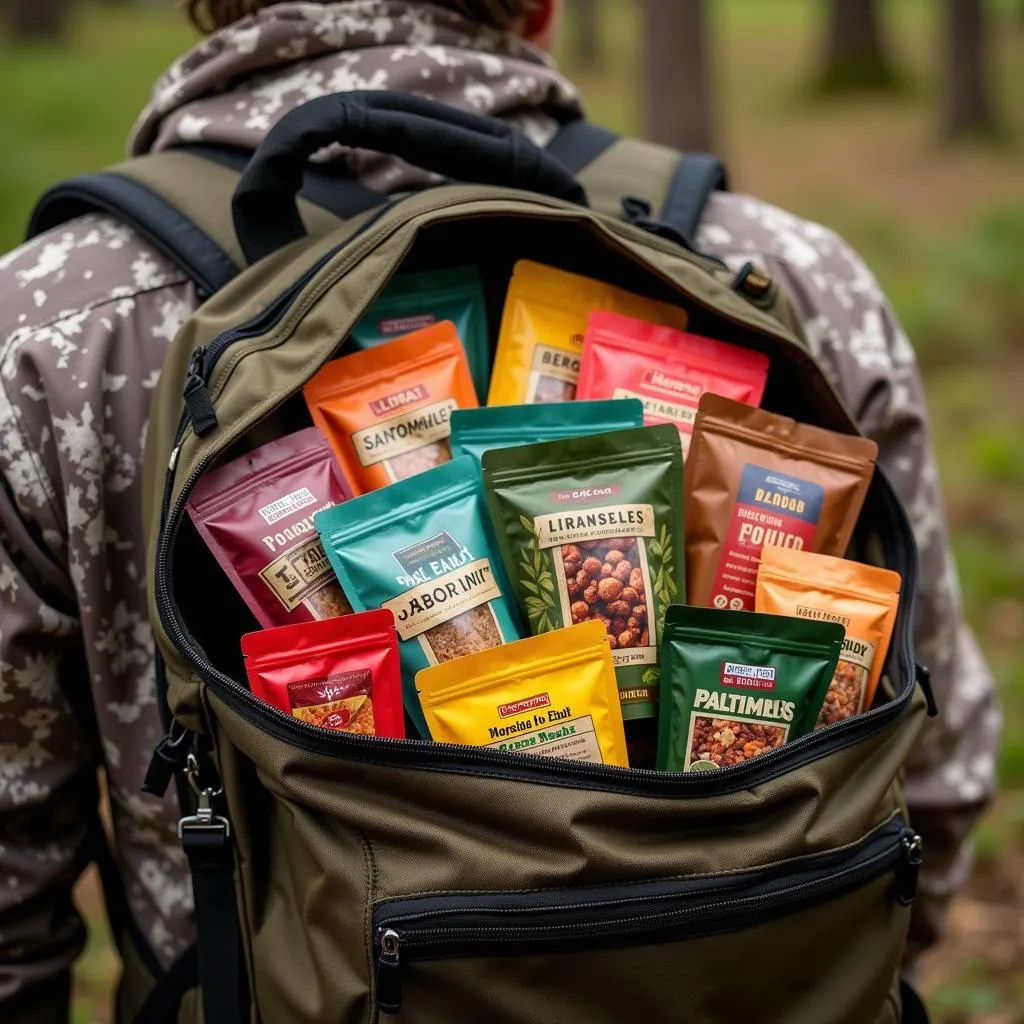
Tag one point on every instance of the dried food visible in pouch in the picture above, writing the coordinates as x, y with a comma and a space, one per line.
757, 480
590, 529
542, 329
256, 515
386, 410
735, 685
862, 598
553, 695
339, 674
420, 549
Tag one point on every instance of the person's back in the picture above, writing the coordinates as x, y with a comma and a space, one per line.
86, 313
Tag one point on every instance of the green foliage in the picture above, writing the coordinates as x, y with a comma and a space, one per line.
535, 575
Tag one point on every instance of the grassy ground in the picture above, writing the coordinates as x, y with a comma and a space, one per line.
943, 228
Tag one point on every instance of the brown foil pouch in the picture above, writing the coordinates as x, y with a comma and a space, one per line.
256, 516
861, 598
755, 479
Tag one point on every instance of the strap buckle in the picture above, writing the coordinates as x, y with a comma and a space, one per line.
204, 824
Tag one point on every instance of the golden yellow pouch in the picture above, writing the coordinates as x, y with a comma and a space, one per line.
553, 695
542, 329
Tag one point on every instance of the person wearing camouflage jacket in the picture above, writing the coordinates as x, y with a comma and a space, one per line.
86, 314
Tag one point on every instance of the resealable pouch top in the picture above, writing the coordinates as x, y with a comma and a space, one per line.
475, 431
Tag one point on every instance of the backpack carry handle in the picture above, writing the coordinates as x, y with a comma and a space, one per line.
430, 135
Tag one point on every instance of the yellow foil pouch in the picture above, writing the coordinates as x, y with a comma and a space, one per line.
552, 695
542, 327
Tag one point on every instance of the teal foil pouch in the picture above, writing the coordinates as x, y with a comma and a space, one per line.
475, 431
419, 548
413, 301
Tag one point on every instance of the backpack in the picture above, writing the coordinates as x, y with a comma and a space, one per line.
348, 878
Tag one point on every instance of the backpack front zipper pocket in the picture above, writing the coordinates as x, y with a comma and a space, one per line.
504, 924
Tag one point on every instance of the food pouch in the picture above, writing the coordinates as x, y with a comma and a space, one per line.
386, 410
861, 598
668, 370
338, 674
591, 528
738, 684
542, 328
552, 695
411, 302
420, 550
755, 480
256, 516
474, 431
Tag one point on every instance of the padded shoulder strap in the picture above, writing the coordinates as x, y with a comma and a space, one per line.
674, 187
180, 201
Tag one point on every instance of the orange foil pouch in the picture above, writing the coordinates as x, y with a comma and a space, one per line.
756, 480
339, 673
861, 598
386, 410
668, 370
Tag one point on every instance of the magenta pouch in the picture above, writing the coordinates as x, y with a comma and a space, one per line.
256, 516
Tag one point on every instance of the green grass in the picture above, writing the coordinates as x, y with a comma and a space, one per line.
942, 228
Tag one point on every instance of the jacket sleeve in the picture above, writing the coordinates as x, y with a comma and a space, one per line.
47, 773
951, 776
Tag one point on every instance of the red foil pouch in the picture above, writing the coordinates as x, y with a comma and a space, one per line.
256, 516
339, 673
668, 370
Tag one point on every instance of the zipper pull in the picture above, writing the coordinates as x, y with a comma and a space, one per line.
389, 973
906, 875
197, 396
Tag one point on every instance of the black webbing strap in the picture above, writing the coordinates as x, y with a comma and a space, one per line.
579, 143
206, 840
145, 211
696, 177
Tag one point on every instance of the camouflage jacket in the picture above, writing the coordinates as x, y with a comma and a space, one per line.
86, 313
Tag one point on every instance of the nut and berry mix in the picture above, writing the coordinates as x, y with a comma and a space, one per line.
590, 530
556, 520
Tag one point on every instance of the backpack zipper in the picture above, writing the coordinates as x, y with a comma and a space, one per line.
452, 757
665, 910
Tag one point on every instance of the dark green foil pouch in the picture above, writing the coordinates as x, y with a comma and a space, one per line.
592, 528
419, 548
475, 431
737, 684
413, 301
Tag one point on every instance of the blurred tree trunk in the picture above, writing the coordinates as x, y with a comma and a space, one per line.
583, 20
678, 74
969, 109
36, 20
855, 54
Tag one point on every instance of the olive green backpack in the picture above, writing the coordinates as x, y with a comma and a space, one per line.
341, 878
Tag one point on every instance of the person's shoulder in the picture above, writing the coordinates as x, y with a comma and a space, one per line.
737, 227
92, 266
